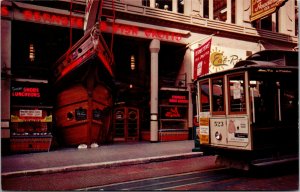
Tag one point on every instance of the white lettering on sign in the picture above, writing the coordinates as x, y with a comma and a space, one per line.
30, 113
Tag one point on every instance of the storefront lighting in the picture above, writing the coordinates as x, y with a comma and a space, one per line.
132, 62
31, 52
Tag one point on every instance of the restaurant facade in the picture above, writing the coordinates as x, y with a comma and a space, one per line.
153, 43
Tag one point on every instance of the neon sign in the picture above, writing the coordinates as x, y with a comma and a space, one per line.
51, 18
25, 92
145, 32
4, 11
178, 99
173, 112
44, 17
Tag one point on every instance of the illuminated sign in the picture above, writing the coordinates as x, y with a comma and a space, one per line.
263, 8
132, 30
25, 92
178, 99
172, 112
44, 17
4, 11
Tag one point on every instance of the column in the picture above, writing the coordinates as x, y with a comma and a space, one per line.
154, 49
175, 6
211, 9
152, 3
229, 14
238, 12
187, 8
201, 9
5, 83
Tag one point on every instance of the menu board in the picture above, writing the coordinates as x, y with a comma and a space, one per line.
80, 114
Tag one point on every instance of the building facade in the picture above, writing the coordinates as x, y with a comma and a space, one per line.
153, 43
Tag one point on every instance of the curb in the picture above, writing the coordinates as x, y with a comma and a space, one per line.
89, 166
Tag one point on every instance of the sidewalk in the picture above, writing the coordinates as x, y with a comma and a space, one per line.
117, 154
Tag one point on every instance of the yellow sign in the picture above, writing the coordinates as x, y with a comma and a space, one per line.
263, 8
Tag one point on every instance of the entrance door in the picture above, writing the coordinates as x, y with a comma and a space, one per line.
126, 124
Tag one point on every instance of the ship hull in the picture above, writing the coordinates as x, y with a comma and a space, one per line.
84, 93
94, 124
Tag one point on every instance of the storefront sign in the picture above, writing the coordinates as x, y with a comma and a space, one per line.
30, 113
201, 59
178, 99
131, 30
50, 18
43, 17
25, 92
263, 8
173, 112
222, 58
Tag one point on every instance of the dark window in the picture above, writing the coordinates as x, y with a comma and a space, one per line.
266, 23
218, 95
237, 100
204, 96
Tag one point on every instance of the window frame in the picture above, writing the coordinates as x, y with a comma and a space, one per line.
229, 76
214, 112
206, 81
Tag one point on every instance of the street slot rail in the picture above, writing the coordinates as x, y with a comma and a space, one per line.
170, 182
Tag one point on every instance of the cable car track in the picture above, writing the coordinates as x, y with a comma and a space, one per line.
169, 182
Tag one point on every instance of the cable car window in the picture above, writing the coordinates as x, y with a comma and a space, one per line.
204, 96
217, 95
267, 92
237, 93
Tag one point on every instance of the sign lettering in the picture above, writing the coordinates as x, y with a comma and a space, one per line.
44, 17
201, 59
141, 31
25, 92
263, 8
178, 99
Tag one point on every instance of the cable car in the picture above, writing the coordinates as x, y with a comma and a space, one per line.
248, 115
